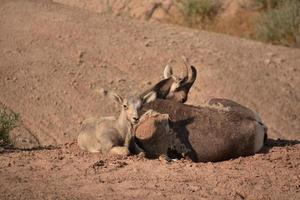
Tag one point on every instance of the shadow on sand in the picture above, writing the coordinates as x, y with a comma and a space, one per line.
13, 149
271, 143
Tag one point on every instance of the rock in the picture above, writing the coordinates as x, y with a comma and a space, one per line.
267, 61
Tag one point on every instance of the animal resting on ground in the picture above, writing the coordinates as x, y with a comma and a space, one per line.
206, 133
220, 130
111, 135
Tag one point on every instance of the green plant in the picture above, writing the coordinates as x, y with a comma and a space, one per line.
268, 4
282, 24
8, 121
196, 12
109, 9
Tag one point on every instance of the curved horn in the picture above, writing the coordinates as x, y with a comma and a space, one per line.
191, 71
189, 68
185, 74
193, 76
168, 72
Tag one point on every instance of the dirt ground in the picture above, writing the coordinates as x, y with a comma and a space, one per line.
68, 173
55, 57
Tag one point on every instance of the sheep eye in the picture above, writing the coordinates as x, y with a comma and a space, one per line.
125, 107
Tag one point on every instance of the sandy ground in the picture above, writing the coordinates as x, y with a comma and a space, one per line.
54, 57
67, 173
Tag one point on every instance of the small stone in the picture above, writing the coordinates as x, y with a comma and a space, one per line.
121, 80
80, 54
147, 44
193, 188
279, 60
102, 91
267, 61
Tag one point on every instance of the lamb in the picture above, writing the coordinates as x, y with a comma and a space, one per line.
109, 135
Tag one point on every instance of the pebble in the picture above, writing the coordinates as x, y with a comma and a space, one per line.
147, 44
267, 61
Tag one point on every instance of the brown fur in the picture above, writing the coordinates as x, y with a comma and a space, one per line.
156, 137
236, 107
173, 88
213, 134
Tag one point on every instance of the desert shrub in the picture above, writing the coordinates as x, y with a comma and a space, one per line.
282, 24
268, 4
109, 9
196, 12
8, 121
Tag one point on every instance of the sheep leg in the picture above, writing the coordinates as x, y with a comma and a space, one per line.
180, 147
164, 158
120, 151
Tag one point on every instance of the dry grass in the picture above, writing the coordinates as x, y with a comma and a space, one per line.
198, 12
268, 4
281, 25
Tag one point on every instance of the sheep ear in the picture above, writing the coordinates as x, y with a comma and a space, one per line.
168, 72
151, 96
117, 98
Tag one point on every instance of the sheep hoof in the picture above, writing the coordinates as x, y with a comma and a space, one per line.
141, 155
119, 151
164, 159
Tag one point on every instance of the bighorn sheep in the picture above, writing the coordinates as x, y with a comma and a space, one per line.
173, 87
107, 135
111, 135
156, 136
209, 133
232, 129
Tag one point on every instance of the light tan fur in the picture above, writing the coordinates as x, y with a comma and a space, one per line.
110, 135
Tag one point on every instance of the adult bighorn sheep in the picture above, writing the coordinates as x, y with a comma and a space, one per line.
219, 130
111, 135
173, 87
208, 132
